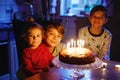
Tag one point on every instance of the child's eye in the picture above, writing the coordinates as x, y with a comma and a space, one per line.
59, 36
30, 35
38, 35
51, 33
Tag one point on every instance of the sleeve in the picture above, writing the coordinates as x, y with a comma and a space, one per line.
27, 62
106, 47
82, 33
63, 46
58, 48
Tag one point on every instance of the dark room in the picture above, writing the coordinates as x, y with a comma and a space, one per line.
78, 39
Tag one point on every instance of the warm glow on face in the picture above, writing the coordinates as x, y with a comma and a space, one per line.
53, 37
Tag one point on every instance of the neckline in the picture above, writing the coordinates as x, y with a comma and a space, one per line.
95, 34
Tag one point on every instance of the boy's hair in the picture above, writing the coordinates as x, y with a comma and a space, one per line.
56, 25
29, 26
98, 8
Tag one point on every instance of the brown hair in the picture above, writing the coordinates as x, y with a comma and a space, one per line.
29, 26
56, 25
99, 8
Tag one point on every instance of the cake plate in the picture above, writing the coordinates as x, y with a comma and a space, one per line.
77, 72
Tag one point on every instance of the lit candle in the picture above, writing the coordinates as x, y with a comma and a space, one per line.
104, 65
68, 45
117, 67
82, 43
78, 43
74, 44
71, 43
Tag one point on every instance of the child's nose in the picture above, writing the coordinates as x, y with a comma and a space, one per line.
34, 37
55, 37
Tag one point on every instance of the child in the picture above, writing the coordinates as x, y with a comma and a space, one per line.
96, 37
53, 34
36, 56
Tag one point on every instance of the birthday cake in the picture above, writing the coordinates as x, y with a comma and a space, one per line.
78, 56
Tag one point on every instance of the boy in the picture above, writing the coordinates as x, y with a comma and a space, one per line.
53, 34
96, 37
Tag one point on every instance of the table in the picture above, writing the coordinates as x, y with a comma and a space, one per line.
107, 73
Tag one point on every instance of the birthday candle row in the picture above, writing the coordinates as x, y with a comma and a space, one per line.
75, 44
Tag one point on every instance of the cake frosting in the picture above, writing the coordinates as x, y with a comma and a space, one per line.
79, 56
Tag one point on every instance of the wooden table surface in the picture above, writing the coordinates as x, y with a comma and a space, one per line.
107, 73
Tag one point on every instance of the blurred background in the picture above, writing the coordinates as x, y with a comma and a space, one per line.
71, 13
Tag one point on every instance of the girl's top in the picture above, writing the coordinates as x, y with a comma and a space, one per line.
37, 59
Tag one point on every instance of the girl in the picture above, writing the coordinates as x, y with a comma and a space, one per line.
36, 56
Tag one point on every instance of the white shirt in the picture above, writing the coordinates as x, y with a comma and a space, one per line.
99, 44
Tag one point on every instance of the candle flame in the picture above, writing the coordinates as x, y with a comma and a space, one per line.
75, 44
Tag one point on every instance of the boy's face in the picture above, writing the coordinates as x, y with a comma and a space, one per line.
34, 37
98, 19
53, 37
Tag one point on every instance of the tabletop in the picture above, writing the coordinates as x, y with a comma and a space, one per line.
107, 72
